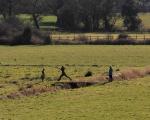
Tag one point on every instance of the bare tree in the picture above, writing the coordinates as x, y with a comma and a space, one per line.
91, 11
7, 8
130, 15
109, 14
36, 8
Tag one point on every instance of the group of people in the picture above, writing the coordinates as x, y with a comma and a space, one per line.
63, 74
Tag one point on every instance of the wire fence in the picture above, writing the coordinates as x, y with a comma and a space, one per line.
98, 37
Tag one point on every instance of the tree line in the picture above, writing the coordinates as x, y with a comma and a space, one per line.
87, 15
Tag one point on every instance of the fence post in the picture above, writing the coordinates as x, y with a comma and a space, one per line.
74, 37
97, 38
59, 36
67, 38
108, 37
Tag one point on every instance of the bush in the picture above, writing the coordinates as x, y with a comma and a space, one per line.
14, 22
13, 32
144, 42
23, 38
101, 42
8, 30
41, 37
123, 36
30, 36
124, 39
10, 26
27, 35
88, 74
4, 29
83, 39
124, 42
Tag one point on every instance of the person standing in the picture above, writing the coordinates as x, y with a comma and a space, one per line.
43, 75
110, 74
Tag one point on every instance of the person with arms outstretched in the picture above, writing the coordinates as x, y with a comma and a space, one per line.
63, 73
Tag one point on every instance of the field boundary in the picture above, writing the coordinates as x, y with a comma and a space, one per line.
76, 37
49, 65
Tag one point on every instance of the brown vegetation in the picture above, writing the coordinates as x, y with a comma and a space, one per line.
15, 33
31, 91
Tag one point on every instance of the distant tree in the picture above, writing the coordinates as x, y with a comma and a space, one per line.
68, 15
36, 8
109, 14
2, 8
8, 8
90, 14
144, 5
130, 15
55, 6
10, 21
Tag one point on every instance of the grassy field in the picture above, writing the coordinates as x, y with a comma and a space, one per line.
81, 55
125, 100
24, 63
121, 100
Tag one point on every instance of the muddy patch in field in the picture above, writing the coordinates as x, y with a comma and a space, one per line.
2, 86
30, 92
73, 85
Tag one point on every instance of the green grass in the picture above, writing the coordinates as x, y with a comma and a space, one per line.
120, 100
75, 55
77, 59
46, 21
50, 18
124, 100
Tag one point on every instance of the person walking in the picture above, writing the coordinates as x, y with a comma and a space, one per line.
63, 73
